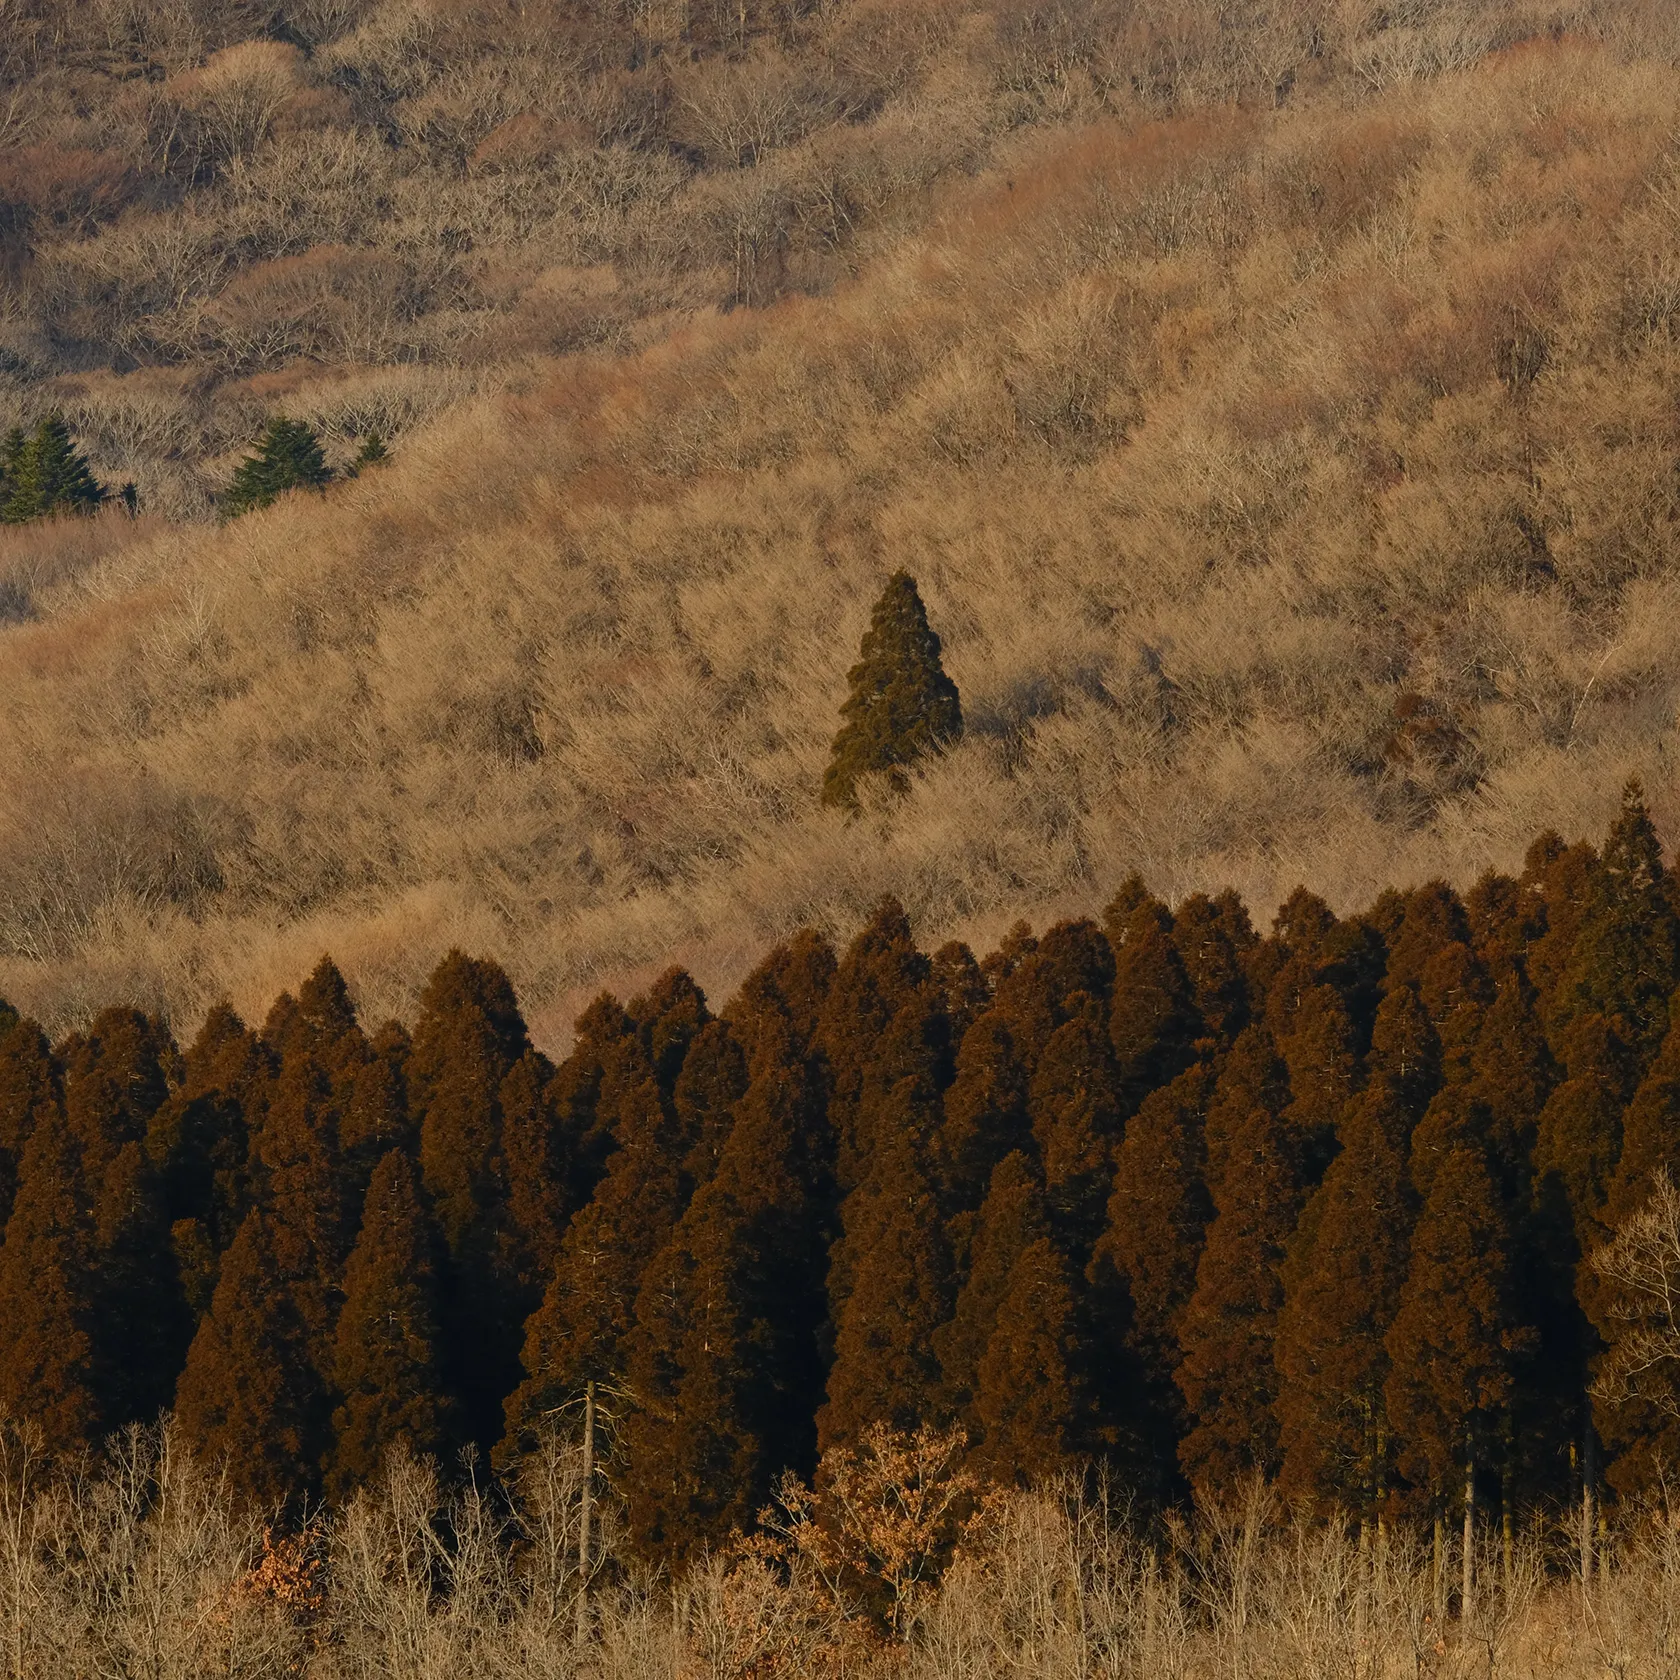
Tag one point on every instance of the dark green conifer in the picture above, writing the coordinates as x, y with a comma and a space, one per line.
1226, 1371
1011, 1218
1460, 1332
1624, 965
1143, 1272
1032, 1403
1342, 1283
468, 1038
287, 457
1074, 1106
890, 1287
901, 705
580, 1332
52, 1367
30, 1081
724, 1359
386, 1367
252, 1394
1213, 937
985, 1110
1152, 1021
45, 475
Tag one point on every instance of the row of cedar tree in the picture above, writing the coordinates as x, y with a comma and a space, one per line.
1158, 1191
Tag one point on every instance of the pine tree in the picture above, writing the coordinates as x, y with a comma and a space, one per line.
985, 1111
1076, 1120
468, 1038
1579, 1133
1563, 878
51, 1365
881, 1024
901, 705
1459, 1332
667, 1018
1506, 917
890, 1283
1143, 1272
1213, 937
576, 1092
1152, 1022
45, 475
1319, 1050
374, 1112
1650, 1131
724, 1359
713, 1080
1010, 1220
1251, 1077
1342, 1286
386, 1359
961, 986
30, 1083
792, 983
1433, 918
1512, 1074
1226, 1372
1626, 959
1405, 1053
116, 1080
252, 1394
287, 457
1032, 1403
538, 1173
580, 1332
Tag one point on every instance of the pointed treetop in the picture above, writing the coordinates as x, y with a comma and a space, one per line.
287, 457
901, 706
42, 474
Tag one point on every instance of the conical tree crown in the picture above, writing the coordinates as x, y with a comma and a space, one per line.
45, 475
1213, 937
889, 1288
252, 1392
1011, 1218
1624, 962
1152, 1020
985, 1110
1076, 1118
1650, 1130
901, 705
1031, 1401
30, 1083
1342, 1289
385, 1363
50, 1365
287, 457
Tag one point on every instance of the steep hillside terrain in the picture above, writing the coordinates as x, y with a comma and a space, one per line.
1292, 481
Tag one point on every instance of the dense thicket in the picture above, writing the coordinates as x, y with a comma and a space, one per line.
1162, 1193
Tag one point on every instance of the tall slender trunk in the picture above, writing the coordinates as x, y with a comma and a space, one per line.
583, 1514
1467, 1593
1440, 1564
1589, 1468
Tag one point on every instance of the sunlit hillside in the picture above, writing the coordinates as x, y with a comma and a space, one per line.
1293, 483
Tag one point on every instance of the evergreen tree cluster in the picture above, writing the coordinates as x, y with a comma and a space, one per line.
42, 473
1159, 1192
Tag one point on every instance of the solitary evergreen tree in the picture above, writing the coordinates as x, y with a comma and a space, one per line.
901, 706
45, 475
385, 1364
287, 457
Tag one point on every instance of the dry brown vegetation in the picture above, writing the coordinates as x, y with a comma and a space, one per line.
140, 1565
1293, 483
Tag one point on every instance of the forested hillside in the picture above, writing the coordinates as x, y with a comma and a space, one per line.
1158, 1194
1290, 479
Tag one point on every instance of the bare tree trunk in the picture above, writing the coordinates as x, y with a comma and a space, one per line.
1588, 1491
583, 1524
1467, 1593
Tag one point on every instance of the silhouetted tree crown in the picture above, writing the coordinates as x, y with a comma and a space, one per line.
287, 457
901, 705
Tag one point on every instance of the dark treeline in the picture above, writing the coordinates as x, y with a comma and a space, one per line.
1159, 1191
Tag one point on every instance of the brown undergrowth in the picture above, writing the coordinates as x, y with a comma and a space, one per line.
1294, 491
